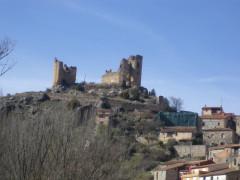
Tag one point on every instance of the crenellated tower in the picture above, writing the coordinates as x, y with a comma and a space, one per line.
63, 75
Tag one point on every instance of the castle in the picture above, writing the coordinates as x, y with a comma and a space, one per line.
64, 75
129, 73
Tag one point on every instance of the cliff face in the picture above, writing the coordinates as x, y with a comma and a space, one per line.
35, 106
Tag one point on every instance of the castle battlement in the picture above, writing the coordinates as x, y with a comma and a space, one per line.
64, 75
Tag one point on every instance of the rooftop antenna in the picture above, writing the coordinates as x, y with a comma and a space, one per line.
221, 102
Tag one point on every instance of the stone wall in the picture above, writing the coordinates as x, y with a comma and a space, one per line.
237, 120
110, 78
193, 151
129, 73
218, 137
214, 123
64, 75
134, 71
178, 136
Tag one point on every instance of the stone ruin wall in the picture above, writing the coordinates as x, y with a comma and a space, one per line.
111, 78
64, 75
129, 73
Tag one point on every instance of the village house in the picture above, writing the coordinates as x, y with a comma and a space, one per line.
171, 170
189, 151
229, 154
168, 172
218, 136
215, 117
177, 133
210, 172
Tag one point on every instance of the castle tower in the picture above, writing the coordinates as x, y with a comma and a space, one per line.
124, 73
63, 75
136, 70
57, 69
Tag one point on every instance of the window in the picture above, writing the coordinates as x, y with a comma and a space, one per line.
169, 134
235, 162
222, 135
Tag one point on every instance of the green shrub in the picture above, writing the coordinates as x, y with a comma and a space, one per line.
79, 87
73, 104
134, 94
125, 94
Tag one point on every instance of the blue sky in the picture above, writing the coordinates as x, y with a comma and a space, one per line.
190, 47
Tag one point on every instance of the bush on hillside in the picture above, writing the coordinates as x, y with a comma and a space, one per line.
73, 104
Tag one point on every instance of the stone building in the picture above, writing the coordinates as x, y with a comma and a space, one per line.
237, 121
191, 151
177, 133
218, 136
129, 73
64, 75
215, 117
173, 170
168, 172
211, 172
229, 154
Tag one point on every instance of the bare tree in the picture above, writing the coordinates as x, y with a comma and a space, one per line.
176, 103
6, 48
53, 145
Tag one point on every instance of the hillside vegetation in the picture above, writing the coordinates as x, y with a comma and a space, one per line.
53, 135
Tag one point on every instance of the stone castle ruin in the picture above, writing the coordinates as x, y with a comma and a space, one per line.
129, 73
64, 75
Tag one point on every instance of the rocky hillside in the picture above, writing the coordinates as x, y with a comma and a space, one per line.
55, 131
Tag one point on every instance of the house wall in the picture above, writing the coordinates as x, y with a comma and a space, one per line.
160, 175
211, 138
172, 174
194, 151
178, 136
213, 155
233, 176
213, 123
237, 120
210, 111
221, 177
232, 156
